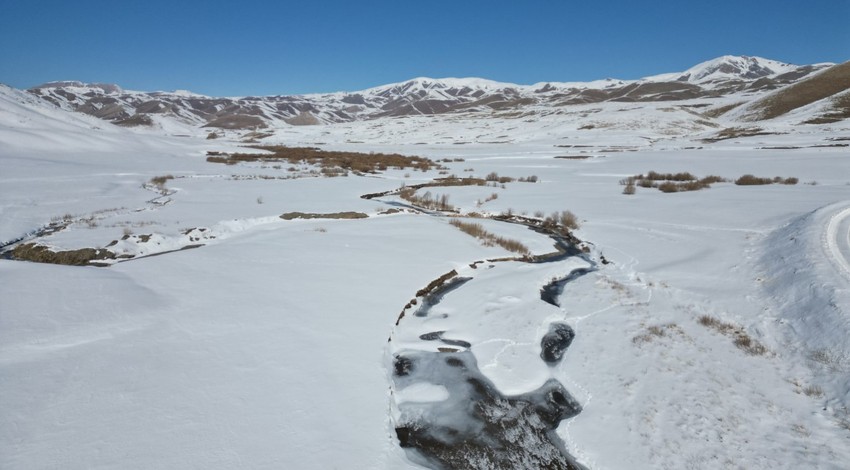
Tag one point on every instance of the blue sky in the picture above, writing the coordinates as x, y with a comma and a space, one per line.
278, 47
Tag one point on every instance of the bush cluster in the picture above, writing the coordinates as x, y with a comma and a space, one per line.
427, 200
352, 161
751, 180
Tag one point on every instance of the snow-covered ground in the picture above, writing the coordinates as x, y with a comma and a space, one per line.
267, 347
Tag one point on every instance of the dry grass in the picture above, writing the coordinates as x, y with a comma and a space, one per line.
159, 181
333, 215
436, 283
656, 331
740, 338
349, 161
489, 239
813, 391
41, 254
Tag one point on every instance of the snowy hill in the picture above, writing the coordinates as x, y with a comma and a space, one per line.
728, 68
722, 77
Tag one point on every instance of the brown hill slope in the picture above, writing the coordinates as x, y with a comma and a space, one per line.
822, 85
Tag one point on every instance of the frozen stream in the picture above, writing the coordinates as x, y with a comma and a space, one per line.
448, 414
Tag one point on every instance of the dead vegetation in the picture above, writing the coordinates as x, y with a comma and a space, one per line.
81, 257
490, 239
159, 181
669, 182
427, 201
655, 332
435, 284
356, 162
332, 215
751, 180
739, 337
685, 181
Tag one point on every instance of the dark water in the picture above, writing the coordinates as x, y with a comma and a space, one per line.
478, 427
436, 296
551, 293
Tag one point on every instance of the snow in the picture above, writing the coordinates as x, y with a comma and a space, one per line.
726, 67
267, 347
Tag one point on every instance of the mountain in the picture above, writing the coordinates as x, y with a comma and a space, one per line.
728, 68
717, 78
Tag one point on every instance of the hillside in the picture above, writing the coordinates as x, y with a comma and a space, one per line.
819, 86
743, 77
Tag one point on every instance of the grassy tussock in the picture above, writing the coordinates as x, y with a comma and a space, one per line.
159, 181
357, 162
740, 338
333, 215
490, 239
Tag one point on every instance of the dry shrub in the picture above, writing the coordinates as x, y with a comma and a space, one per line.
160, 181
427, 200
569, 220
655, 176
489, 239
750, 180
495, 178
669, 182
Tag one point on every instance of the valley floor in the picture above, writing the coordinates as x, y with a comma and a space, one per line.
714, 335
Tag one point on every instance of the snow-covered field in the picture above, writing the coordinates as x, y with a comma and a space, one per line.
267, 346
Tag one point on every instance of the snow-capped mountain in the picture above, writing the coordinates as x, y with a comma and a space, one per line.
728, 68
420, 96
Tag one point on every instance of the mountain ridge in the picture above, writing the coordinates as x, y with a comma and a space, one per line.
715, 78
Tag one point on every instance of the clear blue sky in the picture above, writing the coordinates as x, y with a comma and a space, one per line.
254, 47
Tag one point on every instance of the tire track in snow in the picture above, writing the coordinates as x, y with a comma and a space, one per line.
836, 241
